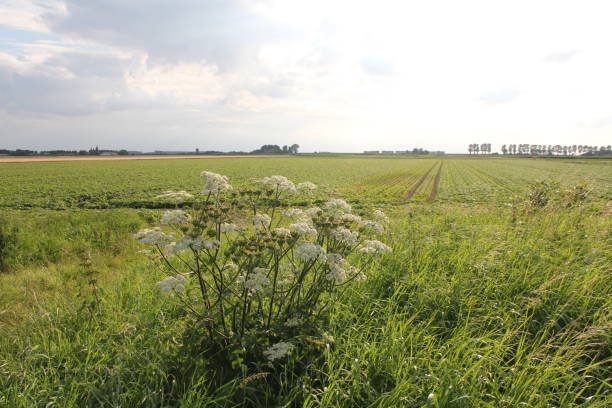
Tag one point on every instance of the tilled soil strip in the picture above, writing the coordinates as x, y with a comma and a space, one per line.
415, 187
434, 189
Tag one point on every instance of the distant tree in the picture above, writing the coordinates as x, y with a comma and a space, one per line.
293, 149
285, 149
123, 152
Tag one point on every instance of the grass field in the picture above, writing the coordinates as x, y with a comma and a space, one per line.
496, 294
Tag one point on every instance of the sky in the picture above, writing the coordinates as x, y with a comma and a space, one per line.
341, 76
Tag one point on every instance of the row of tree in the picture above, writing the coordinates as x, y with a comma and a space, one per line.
553, 150
276, 149
94, 151
483, 148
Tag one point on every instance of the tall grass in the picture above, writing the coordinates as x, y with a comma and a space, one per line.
474, 308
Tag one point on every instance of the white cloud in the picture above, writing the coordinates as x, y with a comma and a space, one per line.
499, 96
561, 57
339, 75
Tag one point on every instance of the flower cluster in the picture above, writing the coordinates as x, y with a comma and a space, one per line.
257, 280
278, 351
255, 270
309, 251
373, 247
306, 186
174, 217
337, 205
279, 184
172, 283
215, 183
153, 236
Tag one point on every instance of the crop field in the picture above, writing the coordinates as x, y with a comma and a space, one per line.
495, 291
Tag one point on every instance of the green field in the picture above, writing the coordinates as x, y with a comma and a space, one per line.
496, 294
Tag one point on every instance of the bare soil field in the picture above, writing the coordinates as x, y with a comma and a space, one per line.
27, 159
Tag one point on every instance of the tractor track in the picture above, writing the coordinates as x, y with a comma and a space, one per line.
416, 186
436, 183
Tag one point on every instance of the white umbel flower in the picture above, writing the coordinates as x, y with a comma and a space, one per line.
228, 228
372, 226
172, 283
306, 186
187, 242
257, 280
293, 212
153, 236
302, 228
279, 183
374, 247
215, 183
345, 236
261, 221
174, 217
337, 205
309, 252
380, 216
351, 218
293, 322
282, 232
278, 351
340, 270
312, 212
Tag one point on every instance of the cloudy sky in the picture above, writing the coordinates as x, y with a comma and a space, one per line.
328, 75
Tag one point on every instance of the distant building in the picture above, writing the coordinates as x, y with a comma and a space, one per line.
388, 152
371, 152
109, 154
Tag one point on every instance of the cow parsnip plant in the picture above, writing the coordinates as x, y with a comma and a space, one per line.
254, 272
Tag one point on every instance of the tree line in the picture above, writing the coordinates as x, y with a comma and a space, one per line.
475, 148
96, 151
553, 150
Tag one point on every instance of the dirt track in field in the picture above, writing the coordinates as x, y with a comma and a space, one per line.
436, 183
28, 159
416, 186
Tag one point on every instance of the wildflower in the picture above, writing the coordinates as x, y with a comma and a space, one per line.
229, 228
261, 221
380, 216
201, 243
176, 195
351, 218
278, 351
302, 228
306, 186
279, 183
215, 183
282, 232
293, 212
340, 270
174, 217
172, 283
373, 247
345, 236
312, 212
153, 236
294, 322
309, 252
372, 226
337, 205
257, 280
